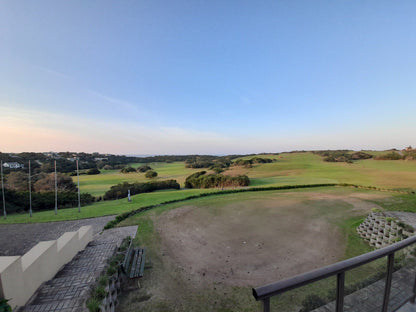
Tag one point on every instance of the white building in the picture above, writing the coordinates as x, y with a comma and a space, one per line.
13, 165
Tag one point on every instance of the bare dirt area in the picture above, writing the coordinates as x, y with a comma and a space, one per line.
212, 251
250, 243
241, 247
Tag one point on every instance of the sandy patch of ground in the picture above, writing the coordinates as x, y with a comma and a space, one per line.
252, 242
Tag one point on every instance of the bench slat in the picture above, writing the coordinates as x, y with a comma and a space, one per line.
134, 263
143, 259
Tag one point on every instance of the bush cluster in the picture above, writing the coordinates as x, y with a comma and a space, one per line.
121, 190
201, 180
18, 201
144, 168
127, 169
343, 155
249, 162
151, 174
93, 171
405, 155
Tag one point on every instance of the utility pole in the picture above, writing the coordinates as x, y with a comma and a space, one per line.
2, 191
56, 192
79, 195
30, 194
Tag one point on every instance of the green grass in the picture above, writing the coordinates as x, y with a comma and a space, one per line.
289, 168
98, 184
299, 168
103, 208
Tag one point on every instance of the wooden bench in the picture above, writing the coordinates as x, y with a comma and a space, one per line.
133, 265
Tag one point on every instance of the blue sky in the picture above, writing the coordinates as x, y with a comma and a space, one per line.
216, 77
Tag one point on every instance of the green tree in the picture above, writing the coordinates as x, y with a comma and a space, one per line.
18, 181
47, 183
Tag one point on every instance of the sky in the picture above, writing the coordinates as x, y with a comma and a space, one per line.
206, 77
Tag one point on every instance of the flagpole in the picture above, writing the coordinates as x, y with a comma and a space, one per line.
30, 194
2, 191
79, 195
56, 192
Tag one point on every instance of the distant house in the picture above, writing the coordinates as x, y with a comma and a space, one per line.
13, 165
100, 158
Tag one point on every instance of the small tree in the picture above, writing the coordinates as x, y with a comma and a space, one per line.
151, 174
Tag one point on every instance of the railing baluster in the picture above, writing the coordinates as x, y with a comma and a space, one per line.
390, 264
264, 293
266, 305
340, 292
414, 292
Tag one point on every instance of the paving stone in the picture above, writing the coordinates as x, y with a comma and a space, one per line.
69, 289
17, 239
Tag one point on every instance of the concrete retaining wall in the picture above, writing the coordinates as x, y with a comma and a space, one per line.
21, 276
380, 231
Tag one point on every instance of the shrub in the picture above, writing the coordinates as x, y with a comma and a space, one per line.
19, 201
4, 306
121, 190
93, 171
389, 156
127, 169
200, 180
151, 174
144, 168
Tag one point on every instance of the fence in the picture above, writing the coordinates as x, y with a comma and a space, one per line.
264, 293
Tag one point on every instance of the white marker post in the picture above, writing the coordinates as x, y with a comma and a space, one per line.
79, 195
2, 191
56, 192
30, 194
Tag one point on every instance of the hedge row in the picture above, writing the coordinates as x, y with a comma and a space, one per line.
201, 180
121, 190
18, 201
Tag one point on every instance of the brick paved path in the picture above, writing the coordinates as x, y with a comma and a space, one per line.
17, 239
370, 298
69, 289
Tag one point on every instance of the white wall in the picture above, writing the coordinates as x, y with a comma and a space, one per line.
21, 276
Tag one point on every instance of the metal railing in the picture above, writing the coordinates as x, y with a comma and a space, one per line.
264, 293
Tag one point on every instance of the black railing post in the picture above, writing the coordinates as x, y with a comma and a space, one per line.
266, 305
390, 264
340, 292
414, 292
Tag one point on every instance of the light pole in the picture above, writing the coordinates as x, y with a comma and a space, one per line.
30, 194
56, 192
79, 195
2, 191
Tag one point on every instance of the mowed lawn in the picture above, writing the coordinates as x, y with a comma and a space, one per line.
289, 169
102, 208
98, 184
308, 168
